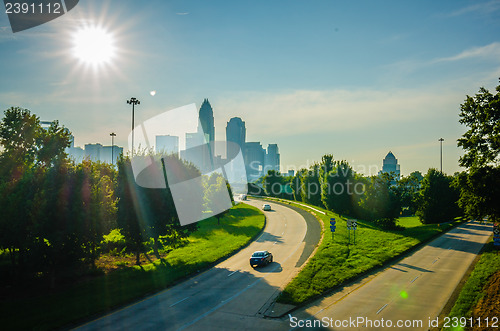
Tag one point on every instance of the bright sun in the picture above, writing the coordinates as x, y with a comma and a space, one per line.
93, 45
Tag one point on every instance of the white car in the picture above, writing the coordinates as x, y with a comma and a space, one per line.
266, 207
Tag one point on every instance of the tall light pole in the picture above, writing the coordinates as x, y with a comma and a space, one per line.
441, 143
113, 135
133, 102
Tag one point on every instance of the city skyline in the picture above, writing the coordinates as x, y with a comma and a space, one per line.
353, 80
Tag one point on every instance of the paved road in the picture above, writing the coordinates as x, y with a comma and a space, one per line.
231, 295
413, 291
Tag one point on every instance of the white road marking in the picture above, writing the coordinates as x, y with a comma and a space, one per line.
232, 273
414, 279
382, 308
179, 301
434, 261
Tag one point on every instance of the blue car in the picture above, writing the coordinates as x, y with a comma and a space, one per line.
261, 258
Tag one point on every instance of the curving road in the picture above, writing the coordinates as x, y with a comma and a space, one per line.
408, 295
231, 295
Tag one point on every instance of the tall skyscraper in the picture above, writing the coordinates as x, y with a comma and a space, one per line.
254, 160
390, 164
167, 144
108, 153
235, 133
93, 151
197, 151
207, 120
272, 159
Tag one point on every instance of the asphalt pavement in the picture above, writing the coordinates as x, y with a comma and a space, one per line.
230, 296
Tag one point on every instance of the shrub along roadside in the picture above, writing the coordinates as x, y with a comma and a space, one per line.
209, 244
336, 262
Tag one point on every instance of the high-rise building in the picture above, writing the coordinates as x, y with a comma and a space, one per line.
272, 159
235, 135
206, 116
197, 151
76, 153
167, 144
108, 153
71, 141
390, 164
93, 152
254, 160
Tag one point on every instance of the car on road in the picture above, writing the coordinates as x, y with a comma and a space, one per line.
266, 207
243, 197
260, 258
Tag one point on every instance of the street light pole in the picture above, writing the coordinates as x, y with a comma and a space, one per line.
133, 102
113, 135
441, 144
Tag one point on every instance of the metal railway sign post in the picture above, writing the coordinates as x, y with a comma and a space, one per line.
352, 225
496, 235
333, 226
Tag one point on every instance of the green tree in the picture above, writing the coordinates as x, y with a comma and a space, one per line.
276, 185
479, 185
381, 202
481, 142
16, 220
215, 187
145, 213
480, 192
409, 187
25, 143
311, 186
438, 199
98, 205
29, 155
129, 217
19, 134
337, 188
295, 184
273, 183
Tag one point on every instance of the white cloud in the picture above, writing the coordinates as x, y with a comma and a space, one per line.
303, 111
480, 8
489, 51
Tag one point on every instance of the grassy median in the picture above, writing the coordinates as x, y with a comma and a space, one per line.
337, 261
210, 243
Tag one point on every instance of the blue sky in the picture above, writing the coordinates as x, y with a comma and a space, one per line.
351, 78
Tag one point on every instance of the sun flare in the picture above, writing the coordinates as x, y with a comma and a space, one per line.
93, 45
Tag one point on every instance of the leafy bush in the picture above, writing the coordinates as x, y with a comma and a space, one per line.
113, 242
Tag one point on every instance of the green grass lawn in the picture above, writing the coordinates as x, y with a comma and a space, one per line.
409, 221
472, 291
336, 261
206, 246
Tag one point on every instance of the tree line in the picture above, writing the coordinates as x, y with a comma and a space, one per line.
54, 212
434, 198
381, 198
